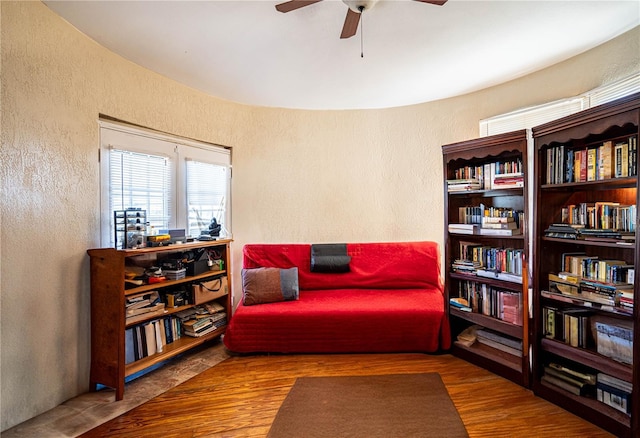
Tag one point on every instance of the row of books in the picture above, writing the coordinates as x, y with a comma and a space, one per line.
497, 168
610, 159
489, 176
600, 215
570, 325
478, 214
583, 328
146, 339
493, 182
577, 266
508, 260
486, 300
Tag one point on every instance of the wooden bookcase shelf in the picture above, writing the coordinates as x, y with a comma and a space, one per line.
502, 154
108, 319
558, 145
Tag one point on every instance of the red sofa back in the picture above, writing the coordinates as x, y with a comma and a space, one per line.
394, 265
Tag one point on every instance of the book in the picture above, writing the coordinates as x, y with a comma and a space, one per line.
150, 338
463, 228
591, 164
158, 311
500, 225
605, 160
586, 377
460, 303
499, 337
129, 350
567, 386
499, 346
499, 275
569, 377
160, 342
499, 232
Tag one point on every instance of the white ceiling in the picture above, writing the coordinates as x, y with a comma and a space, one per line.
245, 51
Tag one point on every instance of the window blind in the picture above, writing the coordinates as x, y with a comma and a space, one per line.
206, 195
139, 180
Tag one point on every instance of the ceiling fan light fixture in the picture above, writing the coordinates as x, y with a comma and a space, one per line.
360, 5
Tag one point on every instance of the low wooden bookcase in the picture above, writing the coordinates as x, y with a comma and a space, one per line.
109, 364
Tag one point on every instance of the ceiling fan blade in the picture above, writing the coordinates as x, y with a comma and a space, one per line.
294, 4
433, 2
350, 24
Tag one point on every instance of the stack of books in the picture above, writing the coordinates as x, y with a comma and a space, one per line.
141, 306
204, 319
500, 226
499, 341
569, 379
463, 185
508, 180
465, 266
460, 303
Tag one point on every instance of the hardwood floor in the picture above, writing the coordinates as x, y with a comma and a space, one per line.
240, 397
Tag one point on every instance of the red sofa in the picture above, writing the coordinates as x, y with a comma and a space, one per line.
390, 300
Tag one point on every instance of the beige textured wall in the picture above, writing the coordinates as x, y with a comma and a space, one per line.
299, 176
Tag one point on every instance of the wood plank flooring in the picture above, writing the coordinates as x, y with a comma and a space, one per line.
240, 397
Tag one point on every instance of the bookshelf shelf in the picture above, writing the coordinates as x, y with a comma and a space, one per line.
117, 346
515, 331
489, 193
170, 350
611, 420
588, 358
492, 355
594, 185
496, 305
168, 283
618, 246
510, 285
580, 162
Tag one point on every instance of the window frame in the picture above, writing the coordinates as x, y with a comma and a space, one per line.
142, 140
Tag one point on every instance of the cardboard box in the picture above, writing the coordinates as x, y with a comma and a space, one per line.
615, 340
210, 290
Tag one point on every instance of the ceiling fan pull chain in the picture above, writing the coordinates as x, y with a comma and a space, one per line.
361, 9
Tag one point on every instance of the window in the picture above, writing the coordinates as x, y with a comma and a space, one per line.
527, 118
180, 183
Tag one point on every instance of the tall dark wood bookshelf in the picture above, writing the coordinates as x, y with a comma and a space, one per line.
485, 296
564, 194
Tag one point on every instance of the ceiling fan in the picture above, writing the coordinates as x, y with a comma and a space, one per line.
356, 7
